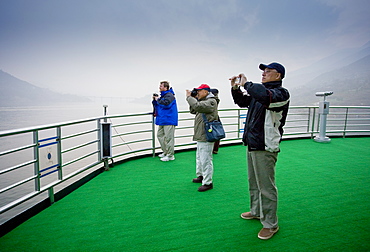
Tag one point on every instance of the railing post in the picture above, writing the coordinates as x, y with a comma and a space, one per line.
345, 123
308, 120
59, 151
51, 195
99, 138
313, 122
238, 123
36, 157
153, 135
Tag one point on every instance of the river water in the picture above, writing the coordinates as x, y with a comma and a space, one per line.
21, 117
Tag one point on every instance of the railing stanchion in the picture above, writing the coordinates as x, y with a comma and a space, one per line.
51, 195
345, 123
153, 135
37, 158
238, 123
313, 122
59, 151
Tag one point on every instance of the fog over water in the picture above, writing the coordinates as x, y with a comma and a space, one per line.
21, 117
124, 48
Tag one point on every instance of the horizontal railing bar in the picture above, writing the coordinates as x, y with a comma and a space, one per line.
45, 127
305, 114
80, 158
132, 152
183, 136
131, 133
295, 126
48, 168
357, 125
17, 166
229, 124
342, 131
18, 201
47, 144
185, 119
80, 134
132, 142
225, 117
80, 146
297, 120
130, 124
357, 131
48, 173
47, 139
358, 119
17, 149
348, 119
18, 184
299, 133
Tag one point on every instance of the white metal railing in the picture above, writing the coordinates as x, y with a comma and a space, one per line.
42, 160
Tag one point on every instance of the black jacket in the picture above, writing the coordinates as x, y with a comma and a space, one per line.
267, 105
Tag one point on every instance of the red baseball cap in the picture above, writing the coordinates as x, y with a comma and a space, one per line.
204, 86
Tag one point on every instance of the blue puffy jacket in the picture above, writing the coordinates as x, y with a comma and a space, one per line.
166, 109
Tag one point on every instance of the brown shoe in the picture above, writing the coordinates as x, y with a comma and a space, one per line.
267, 233
204, 188
198, 179
249, 216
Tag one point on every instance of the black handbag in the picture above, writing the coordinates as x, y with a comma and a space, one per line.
214, 130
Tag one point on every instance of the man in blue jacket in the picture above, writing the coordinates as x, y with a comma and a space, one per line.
267, 105
165, 111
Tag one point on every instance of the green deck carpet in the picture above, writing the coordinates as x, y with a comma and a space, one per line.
149, 205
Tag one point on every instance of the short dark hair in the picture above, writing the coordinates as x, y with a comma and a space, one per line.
166, 84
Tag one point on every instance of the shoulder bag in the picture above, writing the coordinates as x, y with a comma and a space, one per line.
214, 130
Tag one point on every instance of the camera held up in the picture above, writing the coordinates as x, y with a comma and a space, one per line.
194, 92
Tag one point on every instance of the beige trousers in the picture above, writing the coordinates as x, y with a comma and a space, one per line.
166, 138
204, 161
262, 188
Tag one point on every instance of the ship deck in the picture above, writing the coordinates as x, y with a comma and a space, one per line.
148, 205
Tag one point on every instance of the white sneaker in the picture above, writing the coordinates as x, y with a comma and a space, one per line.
161, 155
167, 158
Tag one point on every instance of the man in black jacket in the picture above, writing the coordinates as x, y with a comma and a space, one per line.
267, 105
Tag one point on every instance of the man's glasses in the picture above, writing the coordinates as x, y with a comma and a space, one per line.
270, 71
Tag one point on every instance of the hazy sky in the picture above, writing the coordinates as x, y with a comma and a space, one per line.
124, 48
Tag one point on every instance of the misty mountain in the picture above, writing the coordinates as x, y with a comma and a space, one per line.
346, 74
16, 92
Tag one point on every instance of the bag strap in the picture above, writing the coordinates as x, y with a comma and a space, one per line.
204, 117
